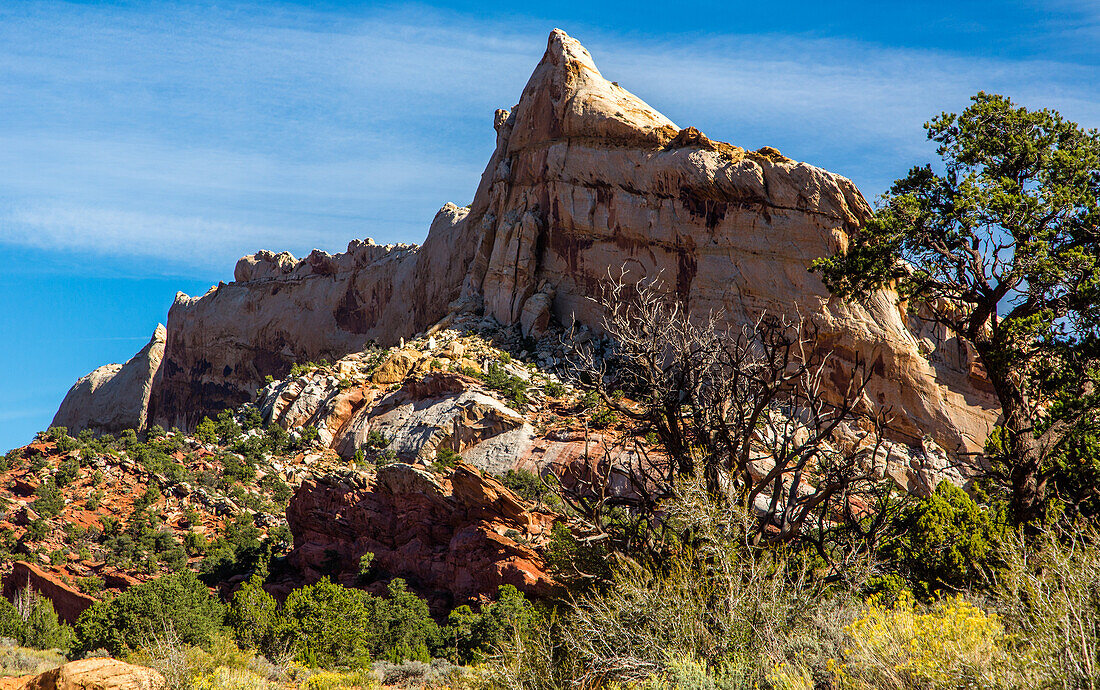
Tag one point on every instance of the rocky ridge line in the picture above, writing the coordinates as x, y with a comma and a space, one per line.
585, 178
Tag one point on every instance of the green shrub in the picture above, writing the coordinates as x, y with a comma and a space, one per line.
93, 500
13, 458
604, 417
238, 550
222, 430
148, 497
407, 630
308, 434
525, 483
11, 623
513, 388
228, 429
90, 585
946, 541
327, 625
38, 530
127, 439
376, 440
206, 431
276, 439
41, 627
67, 472
252, 614
32, 622
446, 457
60, 435
366, 562
475, 636
236, 469
252, 418
179, 602
50, 502
297, 370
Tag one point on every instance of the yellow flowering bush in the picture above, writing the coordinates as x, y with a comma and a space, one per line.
953, 644
225, 678
784, 676
333, 680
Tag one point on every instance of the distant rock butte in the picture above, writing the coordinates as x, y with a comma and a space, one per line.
114, 396
585, 178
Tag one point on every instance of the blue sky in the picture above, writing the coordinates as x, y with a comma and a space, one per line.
144, 146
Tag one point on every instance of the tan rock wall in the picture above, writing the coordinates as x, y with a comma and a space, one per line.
586, 179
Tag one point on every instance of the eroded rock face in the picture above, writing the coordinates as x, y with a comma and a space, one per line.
585, 178
90, 674
454, 538
115, 396
67, 601
589, 178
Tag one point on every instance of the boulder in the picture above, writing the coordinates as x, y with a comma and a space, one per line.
396, 367
90, 674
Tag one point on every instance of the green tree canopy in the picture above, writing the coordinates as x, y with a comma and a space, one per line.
132, 619
328, 625
1002, 248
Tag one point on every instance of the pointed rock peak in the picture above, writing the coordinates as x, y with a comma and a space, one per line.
567, 97
562, 48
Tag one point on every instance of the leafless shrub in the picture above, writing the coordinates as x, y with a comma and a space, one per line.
737, 612
759, 412
1049, 596
166, 652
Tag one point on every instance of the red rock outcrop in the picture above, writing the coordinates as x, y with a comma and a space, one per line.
454, 539
90, 674
585, 178
67, 601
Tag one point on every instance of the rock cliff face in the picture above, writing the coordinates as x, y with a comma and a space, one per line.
454, 538
115, 396
279, 311
585, 179
67, 601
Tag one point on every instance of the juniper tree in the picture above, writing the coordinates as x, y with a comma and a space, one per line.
1002, 247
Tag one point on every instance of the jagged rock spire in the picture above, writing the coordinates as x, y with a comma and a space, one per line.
567, 97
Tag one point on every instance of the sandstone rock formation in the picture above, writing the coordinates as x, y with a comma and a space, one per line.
67, 601
454, 539
279, 311
433, 409
115, 396
90, 674
585, 179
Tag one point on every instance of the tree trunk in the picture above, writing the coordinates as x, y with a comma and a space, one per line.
1023, 454
1028, 497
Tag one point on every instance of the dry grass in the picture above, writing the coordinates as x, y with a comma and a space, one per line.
22, 661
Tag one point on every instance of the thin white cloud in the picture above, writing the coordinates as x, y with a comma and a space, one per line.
200, 134
127, 232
